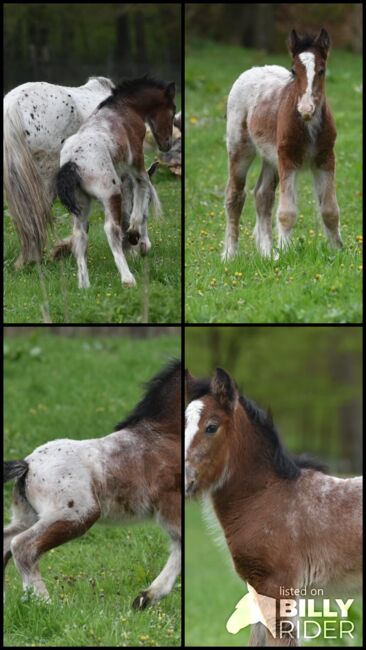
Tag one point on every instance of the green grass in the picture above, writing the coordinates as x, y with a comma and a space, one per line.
156, 299
310, 282
80, 388
212, 589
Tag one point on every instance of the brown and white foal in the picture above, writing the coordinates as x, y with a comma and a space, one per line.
285, 118
65, 486
287, 525
108, 145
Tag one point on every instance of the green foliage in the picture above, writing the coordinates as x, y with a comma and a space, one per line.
86, 34
79, 388
310, 282
307, 375
156, 299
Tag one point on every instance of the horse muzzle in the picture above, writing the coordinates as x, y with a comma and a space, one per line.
190, 482
164, 147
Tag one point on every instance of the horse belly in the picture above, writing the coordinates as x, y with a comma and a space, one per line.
262, 132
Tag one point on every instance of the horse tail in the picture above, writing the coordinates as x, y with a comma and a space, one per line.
67, 182
27, 196
14, 469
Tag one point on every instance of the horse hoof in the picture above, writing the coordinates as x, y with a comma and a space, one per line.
143, 249
141, 601
133, 237
129, 283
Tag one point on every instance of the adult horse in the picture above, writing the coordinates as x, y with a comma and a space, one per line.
63, 487
284, 116
38, 117
280, 515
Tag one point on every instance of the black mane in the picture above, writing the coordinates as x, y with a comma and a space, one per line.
284, 464
154, 400
131, 88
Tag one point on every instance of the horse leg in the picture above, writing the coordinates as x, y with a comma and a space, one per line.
169, 518
275, 631
324, 185
264, 197
23, 516
145, 243
258, 635
286, 212
141, 194
48, 532
240, 158
113, 230
79, 240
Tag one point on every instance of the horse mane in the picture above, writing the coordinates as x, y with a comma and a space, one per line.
157, 391
131, 88
284, 464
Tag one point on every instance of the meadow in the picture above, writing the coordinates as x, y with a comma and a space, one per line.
49, 293
309, 283
212, 590
80, 388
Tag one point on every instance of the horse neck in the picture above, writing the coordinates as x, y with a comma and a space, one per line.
248, 472
144, 103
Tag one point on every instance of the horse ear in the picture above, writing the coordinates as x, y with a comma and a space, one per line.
323, 41
190, 381
292, 41
224, 388
170, 90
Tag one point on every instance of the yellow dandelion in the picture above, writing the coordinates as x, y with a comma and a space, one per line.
318, 276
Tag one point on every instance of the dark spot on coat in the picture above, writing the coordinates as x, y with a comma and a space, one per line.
27, 132
70, 504
32, 116
113, 181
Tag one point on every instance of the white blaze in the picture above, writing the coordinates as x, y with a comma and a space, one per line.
193, 414
306, 102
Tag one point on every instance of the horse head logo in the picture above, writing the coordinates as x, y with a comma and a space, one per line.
253, 608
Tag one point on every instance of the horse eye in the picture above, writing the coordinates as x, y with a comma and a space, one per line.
211, 428
293, 72
321, 72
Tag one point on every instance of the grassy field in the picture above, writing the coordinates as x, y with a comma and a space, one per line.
80, 388
310, 282
156, 299
212, 589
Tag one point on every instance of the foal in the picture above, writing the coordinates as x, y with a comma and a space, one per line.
38, 117
65, 486
109, 144
287, 525
283, 116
